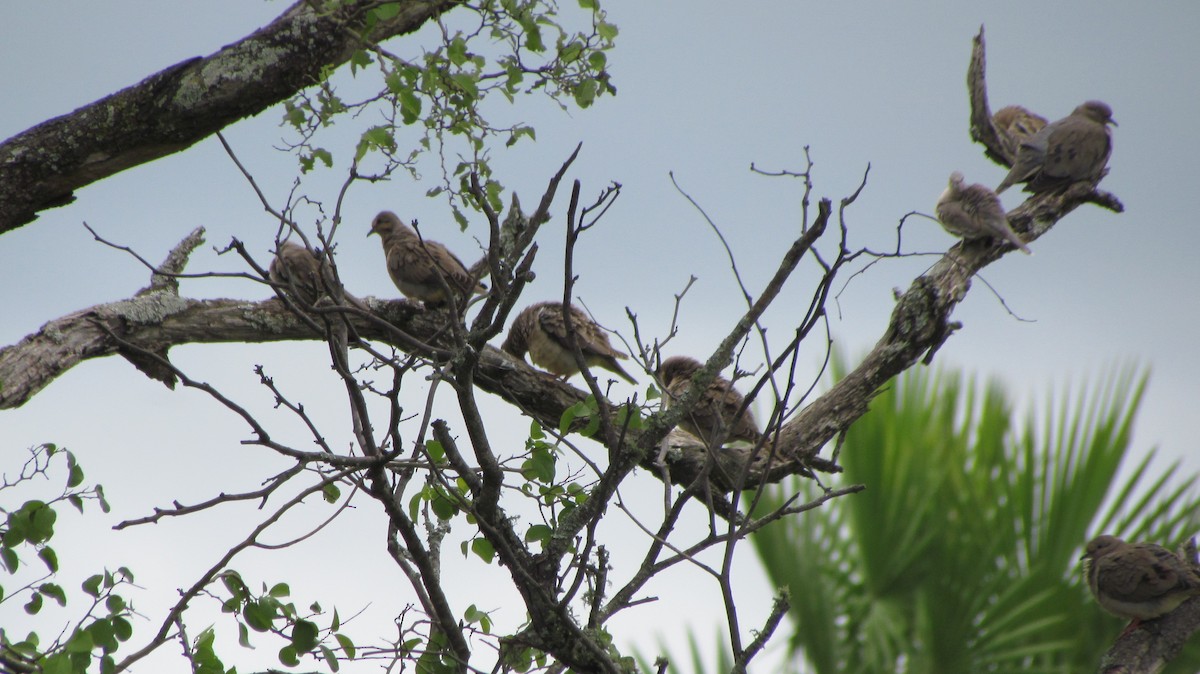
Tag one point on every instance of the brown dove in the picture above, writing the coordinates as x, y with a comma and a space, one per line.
1137, 581
540, 330
300, 272
1016, 125
418, 266
717, 408
1072, 149
975, 212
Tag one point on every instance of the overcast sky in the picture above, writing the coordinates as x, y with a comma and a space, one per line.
705, 89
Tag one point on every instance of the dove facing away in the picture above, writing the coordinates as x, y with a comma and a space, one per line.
300, 272
540, 331
419, 266
1072, 149
975, 212
716, 413
1016, 125
1139, 581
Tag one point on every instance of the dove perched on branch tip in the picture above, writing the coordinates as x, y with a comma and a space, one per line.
419, 266
1140, 581
1070, 150
717, 411
540, 331
975, 212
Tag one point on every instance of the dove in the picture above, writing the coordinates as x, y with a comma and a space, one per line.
975, 212
300, 272
1138, 581
1072, 149
419, 266
1016, 125
717, 408
540, 330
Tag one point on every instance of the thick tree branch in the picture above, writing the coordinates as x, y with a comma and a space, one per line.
171, 110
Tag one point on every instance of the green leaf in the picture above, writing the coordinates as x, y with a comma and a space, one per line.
288, 656
122, 628
410, 106
34, 605
606, 30
435, 451
482, 548
54, 591
346, 644
115, 604
587, 4
91, 586
80, 642
359, 59
304, 636
540, 533
331, 493
49, 558
570, 52
456, 51
330, 658
103, 635
585, 93
75, 473
10, 559
259, 615
442, 506
597, 60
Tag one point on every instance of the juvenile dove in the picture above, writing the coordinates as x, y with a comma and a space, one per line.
1072, 149
1016, 125
1138, 581
300, 272
418, 266
975, 212
540, 330
717, 408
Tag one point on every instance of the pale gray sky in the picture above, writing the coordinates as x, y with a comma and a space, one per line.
705, 89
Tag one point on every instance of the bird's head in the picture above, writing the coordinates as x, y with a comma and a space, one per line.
1100, 546
956, 180
384, 223
677, 368
1097, 111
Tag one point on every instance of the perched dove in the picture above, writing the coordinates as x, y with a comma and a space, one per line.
419, 266
716, 408
1073, 149
975, 212
540, 330
300, 272
1138, 581
1016, 125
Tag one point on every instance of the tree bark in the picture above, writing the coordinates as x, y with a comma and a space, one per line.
171, 110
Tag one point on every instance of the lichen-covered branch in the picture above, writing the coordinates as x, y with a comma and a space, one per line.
180, 105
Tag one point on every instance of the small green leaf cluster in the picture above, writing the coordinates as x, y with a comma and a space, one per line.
105, 624
540, 468
268, 611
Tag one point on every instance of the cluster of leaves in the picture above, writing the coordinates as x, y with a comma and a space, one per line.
511, 47
268, 611
100, 630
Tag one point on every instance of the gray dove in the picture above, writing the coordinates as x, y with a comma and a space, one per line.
975, 212
1139, 581
1072, 149
419, 266
716, 413
1016, 125
540, 330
